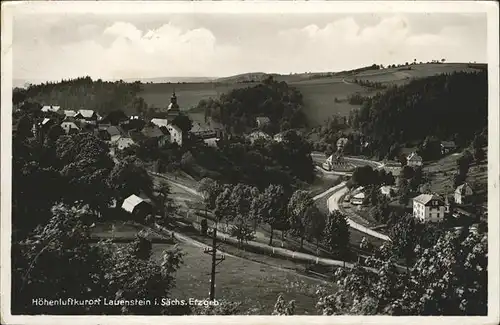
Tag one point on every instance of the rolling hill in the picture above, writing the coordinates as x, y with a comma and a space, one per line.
319, 92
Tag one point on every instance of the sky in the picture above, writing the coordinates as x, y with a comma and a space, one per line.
55, 46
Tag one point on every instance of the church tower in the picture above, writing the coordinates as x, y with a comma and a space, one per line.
173, 107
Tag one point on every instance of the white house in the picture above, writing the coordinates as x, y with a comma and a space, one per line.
463, 194
211, 142
69, 114
50, 108
69, 127
414, 160
428, 207
124, 142
175, 134
358, 199
86, 114
160, 122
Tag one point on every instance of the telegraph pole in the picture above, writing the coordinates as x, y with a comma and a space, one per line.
215, 261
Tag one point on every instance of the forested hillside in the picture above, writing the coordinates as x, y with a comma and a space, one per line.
448, 106
85, 93
238, 108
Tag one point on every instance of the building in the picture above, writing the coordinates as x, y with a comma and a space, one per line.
115, 133
211, 142
87, 115
160, 122
124, 142
70, 127
341, 143
254, 136
202, 132
175, 134
388, 191
358, 199
173, 109
262, 121
50, 108
463, 194
428, 207
447, 147
69, 114
137, 206
154, 132
414, 160
115, 118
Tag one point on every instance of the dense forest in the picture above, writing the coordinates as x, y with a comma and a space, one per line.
84, 93
238, 109
448, 106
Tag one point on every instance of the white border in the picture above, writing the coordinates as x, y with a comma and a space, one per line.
144, 7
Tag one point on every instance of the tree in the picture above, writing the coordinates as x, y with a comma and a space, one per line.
210, 189
86, 270
299, 213
184, 123
405, 237
270, 207
447, 278
223, 208
281, 308
317, 226
337, 234
128, 178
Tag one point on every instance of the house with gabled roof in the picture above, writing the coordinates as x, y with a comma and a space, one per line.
414, 160
69, 114
137, 206
160, 122
175, 134
154, 132
86, 114
70, 127
50, 108
429, 207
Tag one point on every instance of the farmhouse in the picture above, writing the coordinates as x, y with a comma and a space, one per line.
114, 132
262, 121
86, 114
254, 136
414, 160
447, 147
70, 127
50, 108
463, 194
137, 206
428, 207
175, 134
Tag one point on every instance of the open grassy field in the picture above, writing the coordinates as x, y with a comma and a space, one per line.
255, 285
319, 94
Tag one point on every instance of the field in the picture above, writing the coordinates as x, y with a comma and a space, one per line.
319, 94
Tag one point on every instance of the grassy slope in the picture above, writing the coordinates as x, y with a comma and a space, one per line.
441, 175
318, 94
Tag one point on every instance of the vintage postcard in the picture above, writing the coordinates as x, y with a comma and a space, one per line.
230, 162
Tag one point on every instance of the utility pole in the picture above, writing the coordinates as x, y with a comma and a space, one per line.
215, 261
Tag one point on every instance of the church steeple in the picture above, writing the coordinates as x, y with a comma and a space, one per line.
173, 99
173, 107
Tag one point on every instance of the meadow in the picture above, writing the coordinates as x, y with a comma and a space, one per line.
319, 94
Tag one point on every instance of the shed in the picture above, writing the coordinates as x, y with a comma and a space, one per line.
137, 206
